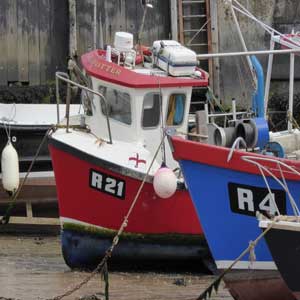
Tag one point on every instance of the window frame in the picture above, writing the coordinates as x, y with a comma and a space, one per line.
142, 116
108, 104
167, 108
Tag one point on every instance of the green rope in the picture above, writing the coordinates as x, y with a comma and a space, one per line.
105, 278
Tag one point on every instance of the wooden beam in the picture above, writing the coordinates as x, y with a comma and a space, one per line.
174, 19
3, 42
180, 17
215, 46
209, 42
23, 41
12, 42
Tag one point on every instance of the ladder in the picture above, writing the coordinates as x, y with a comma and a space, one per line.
194, 24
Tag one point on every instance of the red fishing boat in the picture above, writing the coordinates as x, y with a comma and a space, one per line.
100, 163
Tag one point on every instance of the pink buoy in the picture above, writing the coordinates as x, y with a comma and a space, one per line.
165, 183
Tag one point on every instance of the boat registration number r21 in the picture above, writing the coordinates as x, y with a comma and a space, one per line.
107, 184
247, 200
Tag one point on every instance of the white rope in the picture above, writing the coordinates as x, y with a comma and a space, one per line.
283, 184
268, 28
294, 206
188, 43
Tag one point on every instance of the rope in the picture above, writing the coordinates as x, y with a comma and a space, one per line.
6, 217
102, 266
11, 118
252, 244
192, 134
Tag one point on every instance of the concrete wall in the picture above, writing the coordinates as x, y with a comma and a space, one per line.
235, 79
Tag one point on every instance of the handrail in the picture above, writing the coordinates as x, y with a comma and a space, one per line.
65, 77
262, 52
282, 183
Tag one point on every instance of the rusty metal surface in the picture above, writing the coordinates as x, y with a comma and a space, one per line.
33, 268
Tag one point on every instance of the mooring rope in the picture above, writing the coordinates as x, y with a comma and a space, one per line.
252, 244
102, 266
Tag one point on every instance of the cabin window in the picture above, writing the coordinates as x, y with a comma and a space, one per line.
176, 109
151, 110
118, 104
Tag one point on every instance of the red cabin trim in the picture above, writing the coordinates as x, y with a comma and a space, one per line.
217, 156
95, 65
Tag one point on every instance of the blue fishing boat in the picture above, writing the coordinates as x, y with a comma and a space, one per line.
239, 171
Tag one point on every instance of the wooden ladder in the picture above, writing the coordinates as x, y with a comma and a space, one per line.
194, 26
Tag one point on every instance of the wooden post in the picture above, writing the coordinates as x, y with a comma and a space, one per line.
209, 43
73, 28
180, 16
215, 46
174, 19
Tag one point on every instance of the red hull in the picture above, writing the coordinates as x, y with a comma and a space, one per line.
257, 285
151, 215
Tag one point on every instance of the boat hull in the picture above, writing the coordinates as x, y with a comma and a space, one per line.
90, 210
84, 250
257, 285
284, 246
227, 194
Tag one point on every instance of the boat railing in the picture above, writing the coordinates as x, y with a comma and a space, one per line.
65, 77
281, 168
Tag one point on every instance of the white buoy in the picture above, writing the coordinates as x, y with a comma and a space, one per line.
10, 168
165, 183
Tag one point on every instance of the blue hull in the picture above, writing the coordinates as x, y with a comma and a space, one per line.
228, 229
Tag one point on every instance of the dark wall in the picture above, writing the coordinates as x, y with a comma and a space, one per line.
33, 40
34, 34
120, 15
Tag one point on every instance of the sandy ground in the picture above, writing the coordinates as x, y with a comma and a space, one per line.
33, 268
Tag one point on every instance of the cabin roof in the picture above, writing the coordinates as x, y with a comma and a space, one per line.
95, 65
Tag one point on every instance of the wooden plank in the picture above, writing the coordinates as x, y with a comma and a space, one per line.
132, 16
84, 25
34, 220
180, 17
23, 41
115, 18
209, 42
215, 46
33, 40
12, 42
174, 19
59, 33
164, 29
44, 38
3, 41
154, 23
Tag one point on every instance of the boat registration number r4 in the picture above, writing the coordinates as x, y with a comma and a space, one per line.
247, 200
107, 184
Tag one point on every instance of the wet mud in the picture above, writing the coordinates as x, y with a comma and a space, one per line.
32, 267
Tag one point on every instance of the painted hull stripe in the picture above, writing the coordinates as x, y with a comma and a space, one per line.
245, 265
103, 163
97, 161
